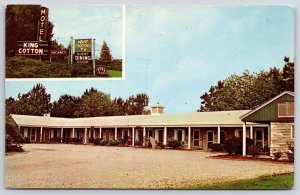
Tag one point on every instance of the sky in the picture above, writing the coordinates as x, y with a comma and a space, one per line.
103, 23
175, 53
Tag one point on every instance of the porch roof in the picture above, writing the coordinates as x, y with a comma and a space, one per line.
218, 118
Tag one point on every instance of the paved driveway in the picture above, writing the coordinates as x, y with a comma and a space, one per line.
87, 166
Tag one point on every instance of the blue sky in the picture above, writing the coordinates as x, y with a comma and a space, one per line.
175, 53
104, 23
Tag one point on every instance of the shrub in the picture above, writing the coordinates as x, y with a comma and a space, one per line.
114, 143
217, 147
122, 141
233, 145
254, 151
14, 148
162, 146
68, 140
91, 140
97, 141
137, 143
174, 144
277, 154
103, 142
290, 152
74, 140
26, 139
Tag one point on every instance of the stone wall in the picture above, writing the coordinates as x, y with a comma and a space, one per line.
280, 136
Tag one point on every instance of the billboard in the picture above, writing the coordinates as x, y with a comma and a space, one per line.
83, 51
38, 48
42, 24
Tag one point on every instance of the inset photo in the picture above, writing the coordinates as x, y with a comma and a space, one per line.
57, 41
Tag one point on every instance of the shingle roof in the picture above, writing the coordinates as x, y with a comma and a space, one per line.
188, 119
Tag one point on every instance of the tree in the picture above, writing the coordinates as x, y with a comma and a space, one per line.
105, 55
248, 91
134, 105
10, 106
21, 25
13, 137
35, 102
288, 75
65, 106
96, 103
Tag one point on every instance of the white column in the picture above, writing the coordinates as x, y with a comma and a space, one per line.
61, 134
244, 138
251, 132
189, 138
133, 129
122, 133
85, 135
269, 135
144, 136
52, 133
165, 135
263, 138
176, 134
73, 132
156, 135
137, 135
100, 132
219, 134
26, 132
116, 133
41, 135
94, 131
183, 136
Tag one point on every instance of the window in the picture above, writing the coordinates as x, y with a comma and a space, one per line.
286, 109
292, 131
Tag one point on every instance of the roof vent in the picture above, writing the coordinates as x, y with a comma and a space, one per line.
157, 109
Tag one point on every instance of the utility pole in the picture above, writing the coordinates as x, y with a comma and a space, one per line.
94, 56
71, 53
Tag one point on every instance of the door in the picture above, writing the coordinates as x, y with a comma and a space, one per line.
150, 134
259, 138
210, 138
33, 135
196, 136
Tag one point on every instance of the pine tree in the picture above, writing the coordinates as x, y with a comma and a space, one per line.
105, 55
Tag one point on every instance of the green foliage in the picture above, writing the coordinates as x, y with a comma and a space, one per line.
65, 106
114, 143
134, 105
254, 151
21, 25
290, 152
277, 154
233, 145
280, 182
97, 141
248, 91
105, 55
13, 138
103, 142
217, 147
174, 144
95, 103
24, 67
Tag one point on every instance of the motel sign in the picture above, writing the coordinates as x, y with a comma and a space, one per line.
32, 48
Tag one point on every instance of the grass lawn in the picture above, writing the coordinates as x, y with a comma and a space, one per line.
283, 182
114, 73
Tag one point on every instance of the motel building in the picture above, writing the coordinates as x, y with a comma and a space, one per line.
269, 125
